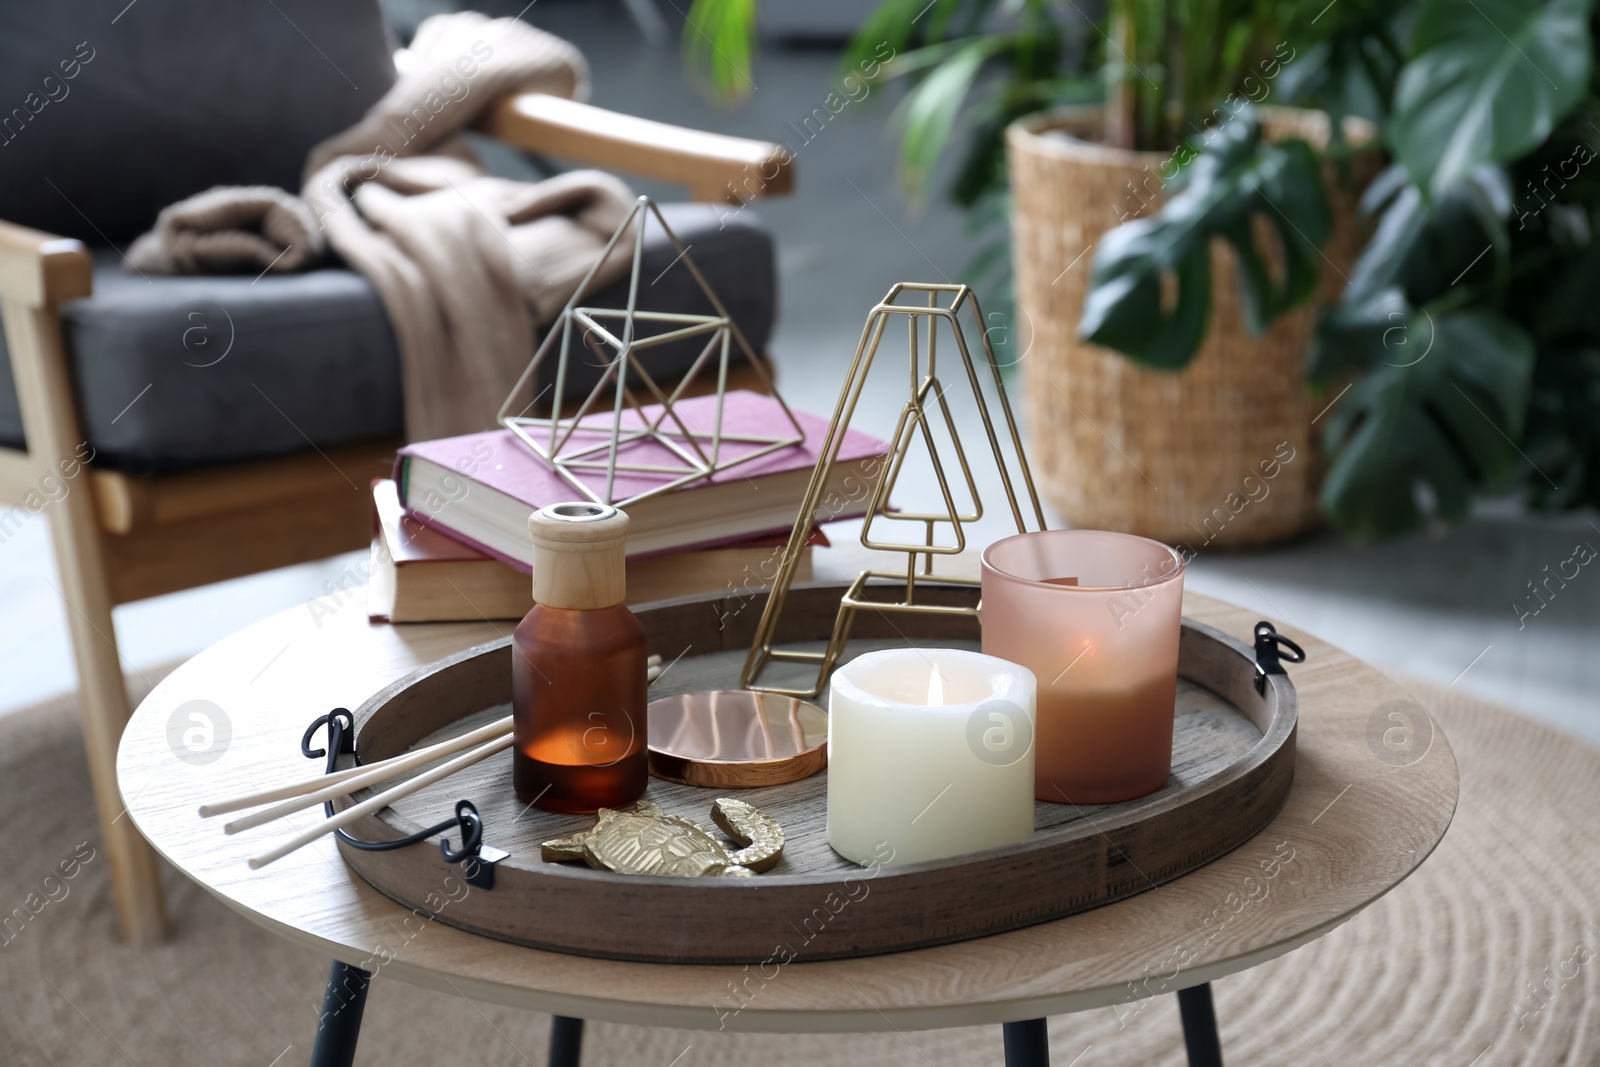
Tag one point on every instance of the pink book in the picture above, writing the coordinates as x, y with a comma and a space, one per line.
479, 488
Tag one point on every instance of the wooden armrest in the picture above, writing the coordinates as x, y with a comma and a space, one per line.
38, 269
713, 166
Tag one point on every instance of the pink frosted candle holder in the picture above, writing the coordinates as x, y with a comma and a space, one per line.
1095, 616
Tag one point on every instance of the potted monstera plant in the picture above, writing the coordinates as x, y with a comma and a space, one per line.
1174, 231
1170, 248
1203, 436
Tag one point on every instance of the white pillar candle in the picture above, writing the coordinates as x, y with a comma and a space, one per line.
930, 754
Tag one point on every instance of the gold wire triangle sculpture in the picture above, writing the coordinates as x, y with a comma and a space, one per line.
925, 308
638, 439
914, 423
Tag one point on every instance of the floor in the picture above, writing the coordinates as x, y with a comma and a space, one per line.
1452, 608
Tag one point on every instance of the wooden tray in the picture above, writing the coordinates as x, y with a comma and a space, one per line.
1233, 761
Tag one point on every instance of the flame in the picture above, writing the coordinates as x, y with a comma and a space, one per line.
935, 689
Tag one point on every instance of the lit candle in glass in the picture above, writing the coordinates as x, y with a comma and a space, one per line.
930, 754
1096, 617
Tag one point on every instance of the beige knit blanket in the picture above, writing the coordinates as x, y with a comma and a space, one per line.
467, 266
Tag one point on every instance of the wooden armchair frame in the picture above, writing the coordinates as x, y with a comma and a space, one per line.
119, 538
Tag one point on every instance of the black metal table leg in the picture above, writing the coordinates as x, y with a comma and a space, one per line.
566, 1041
1200, 1026
343, 1002
1027, 1044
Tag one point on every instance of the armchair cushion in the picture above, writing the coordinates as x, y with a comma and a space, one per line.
174, 373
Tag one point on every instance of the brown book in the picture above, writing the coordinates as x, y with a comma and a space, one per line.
418, 574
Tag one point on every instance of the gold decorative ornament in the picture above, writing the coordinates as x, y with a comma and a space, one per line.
644, 839
758, 835
614, 339
896, 590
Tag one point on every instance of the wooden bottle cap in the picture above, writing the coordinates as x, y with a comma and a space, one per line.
579, 555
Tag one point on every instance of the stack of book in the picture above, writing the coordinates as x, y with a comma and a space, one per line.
450, 536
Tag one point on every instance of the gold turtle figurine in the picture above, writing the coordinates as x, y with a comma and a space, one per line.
644, 839
570, 849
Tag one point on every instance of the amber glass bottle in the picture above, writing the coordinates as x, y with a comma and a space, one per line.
578, 686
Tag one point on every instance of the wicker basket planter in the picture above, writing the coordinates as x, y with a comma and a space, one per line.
1222, 453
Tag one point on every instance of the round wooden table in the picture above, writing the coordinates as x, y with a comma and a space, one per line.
1374, 791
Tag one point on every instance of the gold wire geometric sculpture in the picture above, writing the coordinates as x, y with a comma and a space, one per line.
896, 590
690, 453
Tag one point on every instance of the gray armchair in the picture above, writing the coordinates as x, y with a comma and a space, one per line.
179, 431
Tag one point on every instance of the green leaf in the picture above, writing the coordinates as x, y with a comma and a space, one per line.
1357, 334
1236, 179
888, 32
1444, 412
1563, 434
1567, 305
1351, 70
982, 169
1488, 82
929, 110
919, 59
719, 40
889, 25
1426, 249
1383, 263
1123, 309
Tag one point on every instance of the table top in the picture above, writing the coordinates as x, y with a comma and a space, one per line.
1375, 789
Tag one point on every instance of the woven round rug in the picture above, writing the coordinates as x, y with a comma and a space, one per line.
1485, 957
